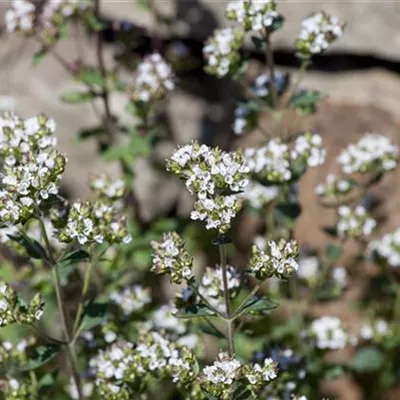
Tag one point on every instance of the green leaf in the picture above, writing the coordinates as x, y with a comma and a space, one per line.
258, 42
259, 306
77, 97
32, 247
211, 330
138, 146
46, 380
333, 252
88, 133
93, 315
288, 212
306, 101
90, 76
367, 360
41, 355
195, 311
93, 23
39, 56
331, 230
75, 257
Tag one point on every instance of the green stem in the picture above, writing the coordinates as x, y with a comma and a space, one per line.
269, 57
47, 337
69, 347
248, 297
85, 289
228, 320
396, 309
299, 78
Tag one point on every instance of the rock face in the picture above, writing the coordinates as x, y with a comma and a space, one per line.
372, 26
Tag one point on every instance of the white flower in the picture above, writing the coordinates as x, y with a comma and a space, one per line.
388, 248
253, 14
329, 333
224, 371
131, 299
308, 268
20, 17
259, 196
154, 79
212, 286
373, 153
354, 222
318, 31
222, 51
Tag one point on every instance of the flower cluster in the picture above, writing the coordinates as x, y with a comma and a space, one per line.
388, 248
163, 320
123, 365
354, 222
215, 177
318, 31
94, 222
20, 17
131, 299
373, 153
14, 310
219, 378
222, 51
24, 16
329, 333
339, 276
154, 79
277, 259
170, 257
308, 269
377, 330
254, 15
259, 374
333, 187
18, 389
259, 196
32, 167
223, 377
107, 188
277, 162
212, 287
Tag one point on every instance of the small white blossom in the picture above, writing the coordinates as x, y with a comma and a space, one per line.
329, 333
215, 177
221, 51
373, 153
377, 330
20, 17
154, 79
277, 259
254, 15
170, 257
339, 276
334, 186
317, 33
131, 299
354, 222
278, 162
388, 248
308, 268
212, 286
259, 196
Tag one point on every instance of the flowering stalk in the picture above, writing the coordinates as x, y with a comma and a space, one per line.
228, 316
269, 56
69, 346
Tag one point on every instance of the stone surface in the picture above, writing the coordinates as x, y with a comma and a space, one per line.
372, 26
